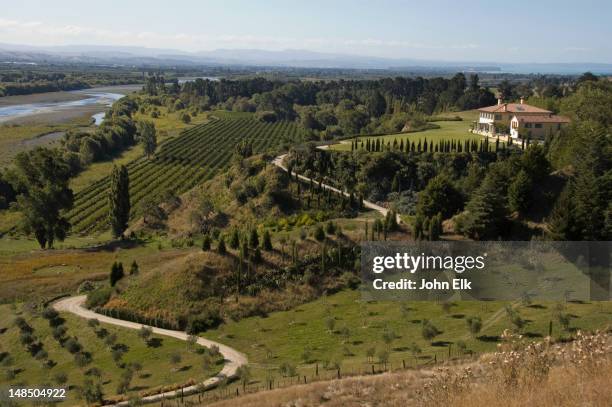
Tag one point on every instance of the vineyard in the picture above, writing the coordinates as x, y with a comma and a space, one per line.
195, 156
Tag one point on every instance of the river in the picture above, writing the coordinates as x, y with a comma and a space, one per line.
103, 97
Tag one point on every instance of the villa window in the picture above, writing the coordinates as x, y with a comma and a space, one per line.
527, 125
538, 125
498, 117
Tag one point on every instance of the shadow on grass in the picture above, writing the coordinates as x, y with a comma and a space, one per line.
489, 338
155, 342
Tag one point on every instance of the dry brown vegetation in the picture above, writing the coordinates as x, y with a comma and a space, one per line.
519, 374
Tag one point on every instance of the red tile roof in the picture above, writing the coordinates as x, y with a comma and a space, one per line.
513, 108
551, 118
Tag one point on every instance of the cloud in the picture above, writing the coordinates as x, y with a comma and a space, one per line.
39, 33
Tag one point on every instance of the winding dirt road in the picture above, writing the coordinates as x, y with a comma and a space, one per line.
233, 358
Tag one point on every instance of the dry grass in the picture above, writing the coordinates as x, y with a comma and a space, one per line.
519, 374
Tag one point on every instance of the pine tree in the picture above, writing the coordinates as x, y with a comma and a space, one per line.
519, 193
119, 200
267, 241
486, 212
562, 221
116, 273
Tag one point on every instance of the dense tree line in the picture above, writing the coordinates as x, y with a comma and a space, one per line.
326, 109
45, 79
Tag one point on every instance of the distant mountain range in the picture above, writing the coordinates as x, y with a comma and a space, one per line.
140, 56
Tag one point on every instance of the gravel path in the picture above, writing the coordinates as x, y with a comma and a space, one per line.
233, 358
278, 161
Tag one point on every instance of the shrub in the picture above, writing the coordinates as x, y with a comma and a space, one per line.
209, 318
98, 297
429, 331
474, 324
85, 287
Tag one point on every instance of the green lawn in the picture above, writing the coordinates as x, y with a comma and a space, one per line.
157, 370
284, 336
449, 130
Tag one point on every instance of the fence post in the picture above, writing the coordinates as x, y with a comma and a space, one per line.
372, 369
317, 369
403, 364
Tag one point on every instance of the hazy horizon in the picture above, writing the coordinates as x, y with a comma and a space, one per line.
526, 32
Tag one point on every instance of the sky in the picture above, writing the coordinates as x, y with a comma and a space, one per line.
444, 30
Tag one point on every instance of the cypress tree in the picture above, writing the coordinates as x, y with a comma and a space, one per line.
119, 200
235, 238
253, 239
221, 246
267, 241
206, 243
395, 185
116, 273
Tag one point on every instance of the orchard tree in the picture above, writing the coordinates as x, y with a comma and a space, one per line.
119, 200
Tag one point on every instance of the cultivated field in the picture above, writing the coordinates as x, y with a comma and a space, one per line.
181, 163
163, 361
303, 339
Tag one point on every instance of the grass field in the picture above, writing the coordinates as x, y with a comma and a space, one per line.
285, 336
31, 273
157, 370
449, 130
15, 138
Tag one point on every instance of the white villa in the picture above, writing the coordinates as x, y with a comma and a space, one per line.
519, 120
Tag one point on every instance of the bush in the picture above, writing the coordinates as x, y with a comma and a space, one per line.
98, 297
85, 287
209, 318
49, 313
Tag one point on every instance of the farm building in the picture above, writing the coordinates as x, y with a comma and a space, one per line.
519, 120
